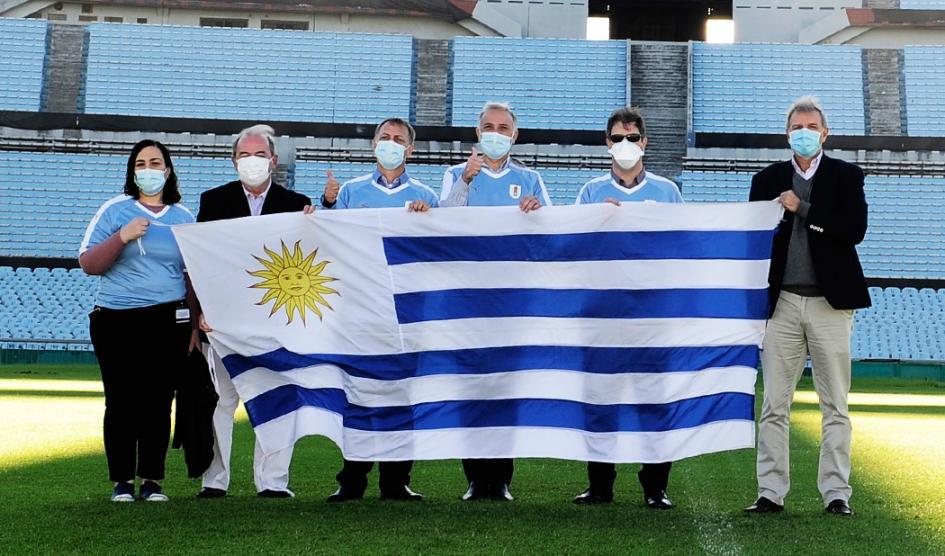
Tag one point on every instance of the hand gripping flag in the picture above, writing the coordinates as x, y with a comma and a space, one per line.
596, 332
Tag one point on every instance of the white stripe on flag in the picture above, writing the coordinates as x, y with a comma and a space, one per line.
628, 275
599, 389
512, 442
541, 331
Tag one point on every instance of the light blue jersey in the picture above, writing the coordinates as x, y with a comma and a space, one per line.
147, 272
492, 189
371, 191
651, 188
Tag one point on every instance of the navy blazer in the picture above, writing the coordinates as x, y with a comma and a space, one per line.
229, 201
836, 223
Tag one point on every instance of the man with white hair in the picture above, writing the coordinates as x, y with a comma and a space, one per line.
253, 194
491, 178
815, 284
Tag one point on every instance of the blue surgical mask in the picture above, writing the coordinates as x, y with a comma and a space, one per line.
495, 145
805, 142
390, 154
149, 181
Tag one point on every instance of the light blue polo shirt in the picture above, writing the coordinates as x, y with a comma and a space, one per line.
373, 191
149, 272
491, 189
650, 188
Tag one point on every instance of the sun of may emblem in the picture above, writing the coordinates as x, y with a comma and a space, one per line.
293, 282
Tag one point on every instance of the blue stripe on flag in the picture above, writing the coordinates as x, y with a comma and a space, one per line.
288, 398
599, 360
603, 304
565, 414
752, 245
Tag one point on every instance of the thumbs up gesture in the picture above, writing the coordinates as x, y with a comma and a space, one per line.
331, 188
473, 165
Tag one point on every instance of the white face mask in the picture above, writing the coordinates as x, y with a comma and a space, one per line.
626, 154
390, 155
253, 170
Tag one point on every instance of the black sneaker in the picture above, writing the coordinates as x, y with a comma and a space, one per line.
124, 492
210, 492
150, 491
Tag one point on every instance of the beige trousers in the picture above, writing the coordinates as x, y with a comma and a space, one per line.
802, 326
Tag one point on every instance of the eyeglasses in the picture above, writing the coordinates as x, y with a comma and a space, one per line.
632, 137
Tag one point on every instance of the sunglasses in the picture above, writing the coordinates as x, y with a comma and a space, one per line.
632, 137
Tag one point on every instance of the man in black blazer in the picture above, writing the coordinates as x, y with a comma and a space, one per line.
816, 282
254, 193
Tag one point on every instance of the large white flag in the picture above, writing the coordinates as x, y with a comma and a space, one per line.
596, 332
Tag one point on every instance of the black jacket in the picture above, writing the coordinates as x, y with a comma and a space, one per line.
836, 223
229, 201
193, 422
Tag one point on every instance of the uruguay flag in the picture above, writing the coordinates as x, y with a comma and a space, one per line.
594, 332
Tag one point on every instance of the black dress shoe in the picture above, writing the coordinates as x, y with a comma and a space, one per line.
839, 507
591, 497
344, 494
208, 492
476, 491
657, 501
500, 491
764, 506
401, 493
275, 494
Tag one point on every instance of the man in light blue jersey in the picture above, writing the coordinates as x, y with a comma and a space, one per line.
388, 186
489, 177
627, 181
492, 179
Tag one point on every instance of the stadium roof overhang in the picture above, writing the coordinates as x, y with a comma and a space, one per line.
887, 28
450, 10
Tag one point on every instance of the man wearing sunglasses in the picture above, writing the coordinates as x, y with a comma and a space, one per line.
627, 181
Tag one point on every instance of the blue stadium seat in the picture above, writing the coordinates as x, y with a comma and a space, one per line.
746, 88
197, 72
924, 79
23, 42
551, 83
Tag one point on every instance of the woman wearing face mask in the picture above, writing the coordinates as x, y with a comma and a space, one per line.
140, 326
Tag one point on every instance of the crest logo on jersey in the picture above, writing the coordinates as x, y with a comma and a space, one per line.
515, 191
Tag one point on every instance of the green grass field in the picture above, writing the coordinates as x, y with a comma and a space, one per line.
54, 492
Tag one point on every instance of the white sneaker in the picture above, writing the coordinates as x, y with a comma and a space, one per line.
150, 491
124, 492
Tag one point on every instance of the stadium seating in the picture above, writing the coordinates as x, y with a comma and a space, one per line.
23, 43
195, 72
924, 77
50, 198
906, 236
746, 88
551, 83
41, 307
45, 308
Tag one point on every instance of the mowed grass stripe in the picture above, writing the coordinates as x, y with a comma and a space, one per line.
59, 503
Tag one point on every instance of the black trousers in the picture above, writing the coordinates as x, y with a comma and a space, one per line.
654, 477
393, 475
140, 353
489, 471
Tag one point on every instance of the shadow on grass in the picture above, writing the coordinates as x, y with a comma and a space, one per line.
62, 506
